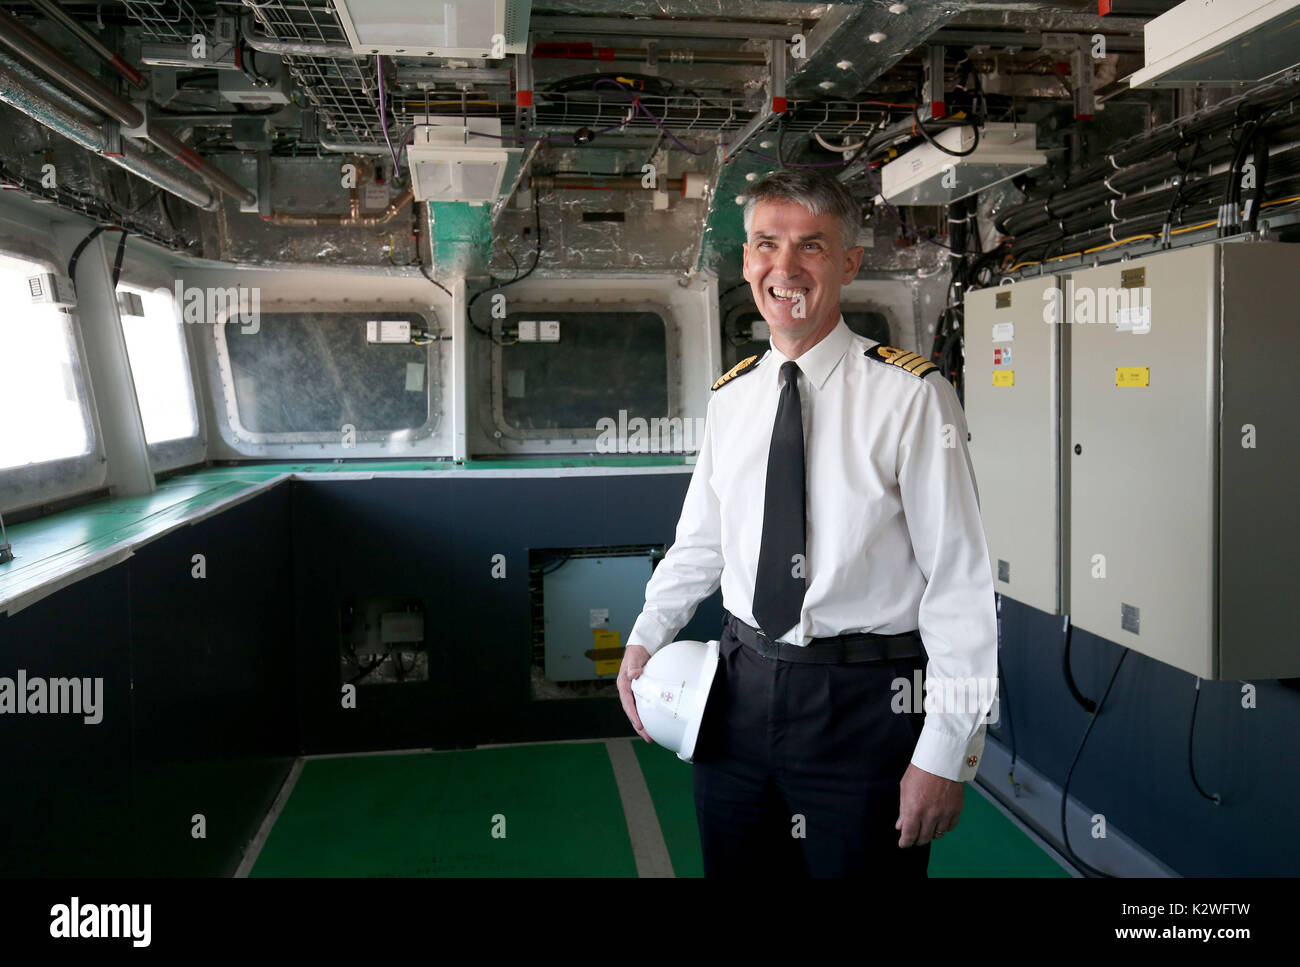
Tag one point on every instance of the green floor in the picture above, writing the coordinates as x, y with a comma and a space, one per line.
540, 810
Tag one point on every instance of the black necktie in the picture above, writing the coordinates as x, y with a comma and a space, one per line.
779, 587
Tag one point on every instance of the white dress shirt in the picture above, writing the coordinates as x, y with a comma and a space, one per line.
894, 537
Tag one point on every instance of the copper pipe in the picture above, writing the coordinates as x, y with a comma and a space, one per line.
352, 219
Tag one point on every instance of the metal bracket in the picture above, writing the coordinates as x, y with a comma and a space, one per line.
1079, 47
146, 121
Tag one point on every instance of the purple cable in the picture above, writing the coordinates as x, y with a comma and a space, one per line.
636, 102
383, 113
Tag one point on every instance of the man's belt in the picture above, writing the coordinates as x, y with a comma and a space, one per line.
830, 651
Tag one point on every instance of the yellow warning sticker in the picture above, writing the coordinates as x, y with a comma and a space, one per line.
605, 641
1004, 377
1132, 375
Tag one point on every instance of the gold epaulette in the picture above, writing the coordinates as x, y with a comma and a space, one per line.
915, 364
740, 369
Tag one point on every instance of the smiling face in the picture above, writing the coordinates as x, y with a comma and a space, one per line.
795, 263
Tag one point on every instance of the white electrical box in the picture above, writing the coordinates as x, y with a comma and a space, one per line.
539, 330
1183, 450
1219, 43
475, 29
388, 331
1013, 399
49, 288
458, 159
928, 176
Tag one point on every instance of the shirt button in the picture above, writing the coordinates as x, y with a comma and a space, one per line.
972, 759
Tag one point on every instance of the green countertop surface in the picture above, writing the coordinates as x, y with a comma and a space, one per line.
48, 548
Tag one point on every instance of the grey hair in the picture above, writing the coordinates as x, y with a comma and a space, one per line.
816, 192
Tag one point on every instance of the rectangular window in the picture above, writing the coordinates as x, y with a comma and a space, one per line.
43, 411
160, 366
307, 375
604, 361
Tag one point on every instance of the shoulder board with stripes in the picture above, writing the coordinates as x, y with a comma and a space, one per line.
740, 369
915, 364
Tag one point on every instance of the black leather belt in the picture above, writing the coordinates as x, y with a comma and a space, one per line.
830, 651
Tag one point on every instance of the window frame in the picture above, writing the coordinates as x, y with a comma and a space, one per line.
168, 455
599, 302
33, 484
324, 442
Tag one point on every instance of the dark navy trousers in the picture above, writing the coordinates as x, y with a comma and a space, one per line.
797, 768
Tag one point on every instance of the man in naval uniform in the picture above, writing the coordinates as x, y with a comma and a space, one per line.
834, 502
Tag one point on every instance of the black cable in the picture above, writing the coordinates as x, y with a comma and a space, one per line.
1065, 792
369, 668
1004, 699
1191, 765
1178, 194
1087, 704
898, 216
497, 284
1259, 150
81, 247
117, 260
956, 154
425, 272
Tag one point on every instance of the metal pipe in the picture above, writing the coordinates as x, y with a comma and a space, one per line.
270, 45
352, 147
119, 64
352, 219
24, 94
588, 51
565, 182
659, 27
41, 55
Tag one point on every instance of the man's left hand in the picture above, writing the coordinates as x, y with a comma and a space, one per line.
928, 806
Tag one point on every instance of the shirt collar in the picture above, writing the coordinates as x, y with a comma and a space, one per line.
817, 363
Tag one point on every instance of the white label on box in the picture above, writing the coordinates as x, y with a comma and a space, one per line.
1134, 319
549, 330
388, 331
374, 196
528, 330
1004, 331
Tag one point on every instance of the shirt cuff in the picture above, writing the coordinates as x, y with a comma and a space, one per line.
947, 755
648, 633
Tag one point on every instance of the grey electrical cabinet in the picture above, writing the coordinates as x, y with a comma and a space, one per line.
1012, 380
1181, 456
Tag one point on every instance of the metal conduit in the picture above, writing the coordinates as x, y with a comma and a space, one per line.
23, 92
31, 48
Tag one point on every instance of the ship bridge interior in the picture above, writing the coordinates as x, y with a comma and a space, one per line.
355, 360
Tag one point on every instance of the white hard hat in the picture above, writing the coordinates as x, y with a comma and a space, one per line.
671, 693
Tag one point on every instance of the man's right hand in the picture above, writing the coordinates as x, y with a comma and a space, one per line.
634, 659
